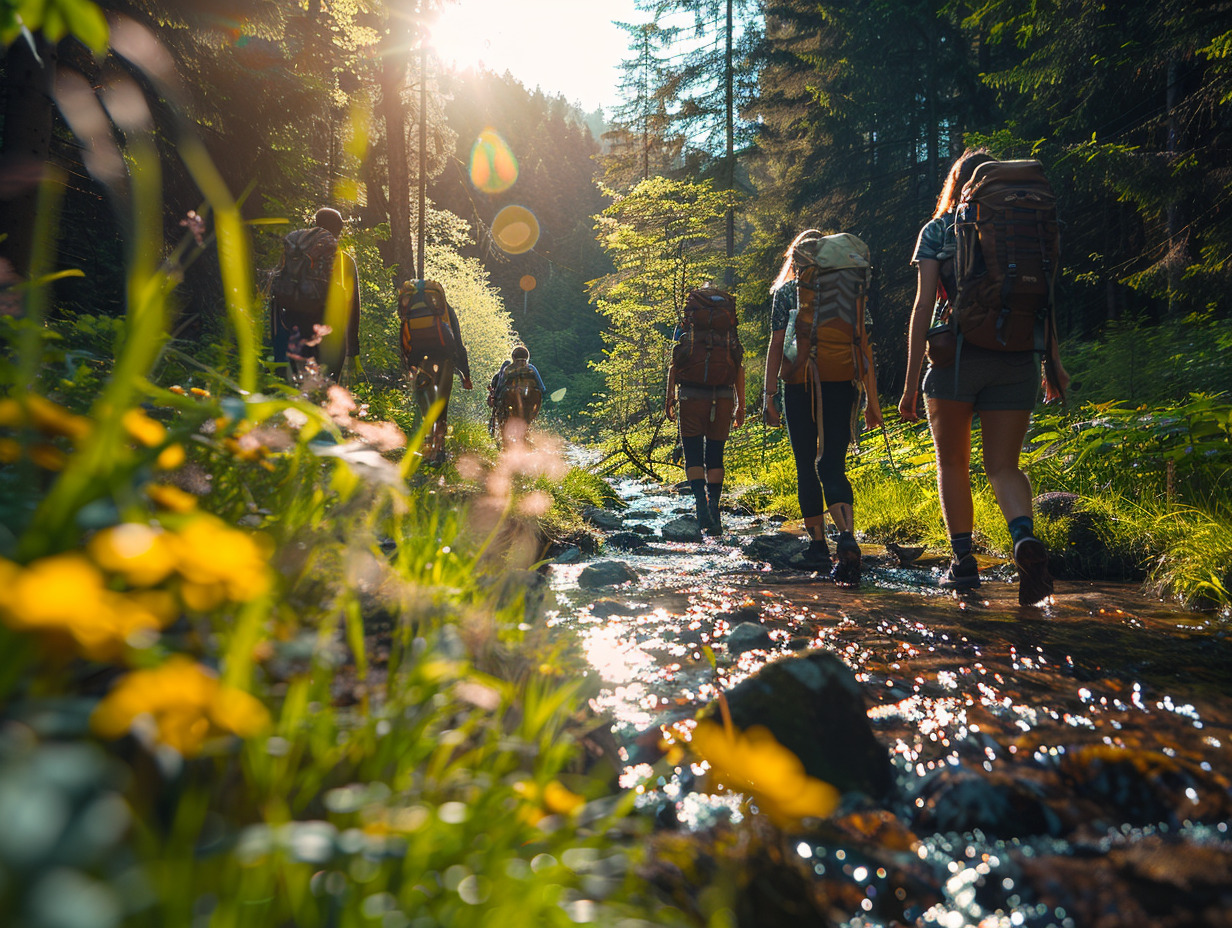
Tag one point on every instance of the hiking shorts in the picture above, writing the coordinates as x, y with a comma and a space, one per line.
706, 411
987, 379
433, 380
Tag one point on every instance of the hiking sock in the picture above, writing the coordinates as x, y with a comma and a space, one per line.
713, 492
960, 544
1020, 528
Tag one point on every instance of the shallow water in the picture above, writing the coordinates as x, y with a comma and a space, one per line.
1058, 764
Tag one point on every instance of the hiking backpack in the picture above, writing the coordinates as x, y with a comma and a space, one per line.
519, 390
426, 332
301, 282
709, 353
830, 339
1008, 251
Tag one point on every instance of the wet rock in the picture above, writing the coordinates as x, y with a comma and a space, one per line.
570, 555
605, 608
682, 529
813, 705
629, 541
640, 527
583, 539
777, 518
800, 644
776, 549
603, 519
743, 614
1000, 804
748, 636
1078, 540
605, 573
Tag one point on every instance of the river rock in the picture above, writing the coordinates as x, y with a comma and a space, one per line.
629, 541
1000, 804
605, 608
1078, 541
603, 519
682, 529
528, 586
569, 555
605, 573
748, 636
813, 705
776, 549
640, 527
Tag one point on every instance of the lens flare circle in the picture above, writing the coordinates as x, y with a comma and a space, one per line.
515, 230
494, 169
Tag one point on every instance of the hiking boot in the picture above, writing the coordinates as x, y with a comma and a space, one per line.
815, 557
846, 570
962, 574
716, 522
703, 517
1034, 580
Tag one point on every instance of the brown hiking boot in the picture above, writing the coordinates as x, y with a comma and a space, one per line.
1034, 580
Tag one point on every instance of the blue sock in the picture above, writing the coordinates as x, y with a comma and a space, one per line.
1022, 527
960, 544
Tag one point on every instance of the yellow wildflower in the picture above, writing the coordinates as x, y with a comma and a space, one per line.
142, 429
178, 390
559, 800
219, 563
63, 599
754, 763
47, 456
198, 391
181, 704
49, 418
141, 554
10, 451
172, 498
170, 457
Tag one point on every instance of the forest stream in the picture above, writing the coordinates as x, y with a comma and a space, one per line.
1059, 765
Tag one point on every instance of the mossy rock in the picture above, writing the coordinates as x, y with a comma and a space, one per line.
1082, 542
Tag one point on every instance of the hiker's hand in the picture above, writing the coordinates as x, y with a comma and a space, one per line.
771, 413
1055, 393
466, 383
909, 406
669, 408
739, 416
872, 417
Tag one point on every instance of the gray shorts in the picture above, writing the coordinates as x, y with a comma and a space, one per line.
988, 379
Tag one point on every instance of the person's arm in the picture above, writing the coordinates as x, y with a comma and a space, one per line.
1056, 377
539, 380
740, 408
917, 333
872, 411
774, 361
669, 403
352, 342
461, 359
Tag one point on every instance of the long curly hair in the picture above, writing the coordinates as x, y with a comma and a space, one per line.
960, 173
806, 243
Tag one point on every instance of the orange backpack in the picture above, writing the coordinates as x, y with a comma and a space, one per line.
709, 353
426, 332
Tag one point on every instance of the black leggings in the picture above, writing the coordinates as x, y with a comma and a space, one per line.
825, 483
695, 456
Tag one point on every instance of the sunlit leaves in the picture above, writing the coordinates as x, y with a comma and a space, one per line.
55, 19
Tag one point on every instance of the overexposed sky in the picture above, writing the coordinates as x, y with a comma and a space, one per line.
569, 47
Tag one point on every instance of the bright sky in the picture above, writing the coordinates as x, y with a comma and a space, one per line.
569, 47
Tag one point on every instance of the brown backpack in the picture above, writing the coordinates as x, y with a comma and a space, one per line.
1007, 257
830, 338
301, 282
709, 353
426, 331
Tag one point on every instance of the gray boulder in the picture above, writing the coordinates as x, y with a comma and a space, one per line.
605, 573
603, 519
813, 705
684, 528
776, 549
748, 636
629, 541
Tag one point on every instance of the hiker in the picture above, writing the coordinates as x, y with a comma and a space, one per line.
705, 394
432, 350
315, 284
515, 395
965, 378
819, 347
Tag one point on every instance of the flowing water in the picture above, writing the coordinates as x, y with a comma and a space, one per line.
1063, 764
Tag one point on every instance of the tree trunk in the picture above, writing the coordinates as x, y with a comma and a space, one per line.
28, 121
730, 151
393, 113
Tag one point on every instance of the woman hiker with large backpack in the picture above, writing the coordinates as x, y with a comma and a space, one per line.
707, 371
986, 328
432, 349
826, 364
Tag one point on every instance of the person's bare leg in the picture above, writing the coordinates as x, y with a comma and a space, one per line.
1004, 431
950, 423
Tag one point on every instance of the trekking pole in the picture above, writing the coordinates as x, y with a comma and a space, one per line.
889, 454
